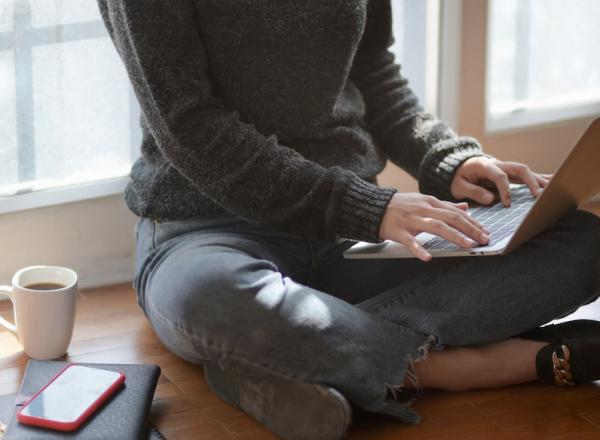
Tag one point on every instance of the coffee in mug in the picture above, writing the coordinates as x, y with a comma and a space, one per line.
45, 286
44, 299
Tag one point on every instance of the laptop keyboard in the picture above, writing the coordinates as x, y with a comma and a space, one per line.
500, 221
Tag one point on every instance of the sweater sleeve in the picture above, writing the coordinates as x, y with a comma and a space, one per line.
246, 172
413, 139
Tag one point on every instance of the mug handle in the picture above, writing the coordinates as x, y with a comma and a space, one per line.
7, 290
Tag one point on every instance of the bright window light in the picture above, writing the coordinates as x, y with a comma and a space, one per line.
415, 25
68, 113
543, 62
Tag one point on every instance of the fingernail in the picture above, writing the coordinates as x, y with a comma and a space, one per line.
469, 242
485, 238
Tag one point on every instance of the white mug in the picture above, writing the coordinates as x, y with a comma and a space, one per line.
43, 318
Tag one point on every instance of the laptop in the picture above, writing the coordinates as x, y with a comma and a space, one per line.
576, 181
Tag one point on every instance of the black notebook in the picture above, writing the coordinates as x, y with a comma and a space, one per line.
7, 405
123, 416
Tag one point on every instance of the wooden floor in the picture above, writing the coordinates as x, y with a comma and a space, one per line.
111, 328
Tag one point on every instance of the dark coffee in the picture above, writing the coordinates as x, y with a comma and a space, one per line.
45, 286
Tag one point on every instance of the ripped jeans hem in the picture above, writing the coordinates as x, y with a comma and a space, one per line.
396, 401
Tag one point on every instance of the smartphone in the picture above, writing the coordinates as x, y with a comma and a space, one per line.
70, 397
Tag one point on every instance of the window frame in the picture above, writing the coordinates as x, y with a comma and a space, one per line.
449, 61
522, 116
426, 69
21, 40
63, 194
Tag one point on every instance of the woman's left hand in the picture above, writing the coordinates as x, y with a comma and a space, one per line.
477, 177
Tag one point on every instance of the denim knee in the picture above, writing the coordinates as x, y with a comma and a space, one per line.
203, 285
579, 232
586, 231
585, 219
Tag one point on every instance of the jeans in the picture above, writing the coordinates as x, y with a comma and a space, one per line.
263, 303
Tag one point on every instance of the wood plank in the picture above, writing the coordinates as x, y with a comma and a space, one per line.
527, 398
460, 422
553, 420
198, 432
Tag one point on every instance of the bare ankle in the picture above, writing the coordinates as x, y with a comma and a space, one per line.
503, 363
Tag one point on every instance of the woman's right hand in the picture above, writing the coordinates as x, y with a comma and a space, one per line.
409, 214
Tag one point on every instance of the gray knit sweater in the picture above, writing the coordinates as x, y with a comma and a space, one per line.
281, 112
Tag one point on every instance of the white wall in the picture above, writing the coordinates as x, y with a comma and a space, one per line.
94, 237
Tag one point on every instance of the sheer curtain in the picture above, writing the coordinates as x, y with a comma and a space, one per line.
68, 114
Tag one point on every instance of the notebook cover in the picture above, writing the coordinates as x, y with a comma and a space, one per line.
7, 404
123, 416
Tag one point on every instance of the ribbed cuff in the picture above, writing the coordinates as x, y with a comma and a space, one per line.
361, 210
440, 164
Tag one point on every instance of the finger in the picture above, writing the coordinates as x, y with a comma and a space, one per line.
411, 243
434, 201
541, 180
532, 184
450, 206
441, 229
500, 179
521, 173
475, 192
461, 222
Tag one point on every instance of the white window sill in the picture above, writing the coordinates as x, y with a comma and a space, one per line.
49, 196
515, 119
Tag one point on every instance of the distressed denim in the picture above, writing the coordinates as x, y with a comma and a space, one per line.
264, 303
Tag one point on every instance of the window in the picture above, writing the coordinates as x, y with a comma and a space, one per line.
68, 114
542, 61
415, 25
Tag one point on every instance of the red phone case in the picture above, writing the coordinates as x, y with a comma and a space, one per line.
69, 426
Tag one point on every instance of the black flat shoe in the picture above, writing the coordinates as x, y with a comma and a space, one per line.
572, 355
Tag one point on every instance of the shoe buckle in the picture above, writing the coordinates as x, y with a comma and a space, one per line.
562, 367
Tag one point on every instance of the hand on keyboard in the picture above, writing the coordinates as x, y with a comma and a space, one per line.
499, 220
474, 176
409, 214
